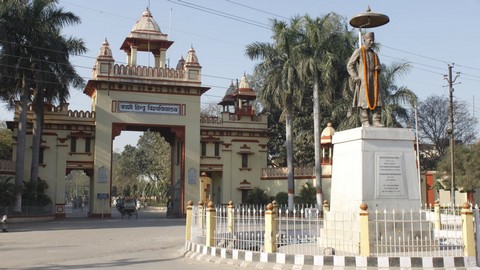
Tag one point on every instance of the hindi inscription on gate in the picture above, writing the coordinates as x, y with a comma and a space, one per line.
157, 108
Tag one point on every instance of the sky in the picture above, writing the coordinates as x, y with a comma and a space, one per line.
429, 34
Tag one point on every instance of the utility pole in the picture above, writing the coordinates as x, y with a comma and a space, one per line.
451, 133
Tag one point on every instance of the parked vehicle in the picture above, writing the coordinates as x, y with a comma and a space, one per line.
127, 207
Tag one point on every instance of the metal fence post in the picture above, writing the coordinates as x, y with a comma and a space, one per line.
270, 230
188, 222
230, 217
467, 231
364, 232
211, 223
436, 210
477, 234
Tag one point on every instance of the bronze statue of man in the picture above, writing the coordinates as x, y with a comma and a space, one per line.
364, 68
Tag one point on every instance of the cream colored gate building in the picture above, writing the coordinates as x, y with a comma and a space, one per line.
212, 158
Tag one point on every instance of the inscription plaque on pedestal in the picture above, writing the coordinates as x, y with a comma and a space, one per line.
390, 179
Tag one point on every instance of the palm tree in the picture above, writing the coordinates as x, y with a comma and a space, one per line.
281, 86
53, 71
396, 97
326, 44
28, 28
14, 67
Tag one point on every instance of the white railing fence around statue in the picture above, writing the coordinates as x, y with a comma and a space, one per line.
412, 233
245, 230
304, 230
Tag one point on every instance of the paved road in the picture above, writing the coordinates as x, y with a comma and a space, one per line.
150, 242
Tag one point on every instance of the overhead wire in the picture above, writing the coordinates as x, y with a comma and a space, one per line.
256, 9
220, 13
245, 20
418, 55
258, 24
241, 19
392, 48
467, 67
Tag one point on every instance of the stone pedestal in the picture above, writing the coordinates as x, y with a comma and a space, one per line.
376, 166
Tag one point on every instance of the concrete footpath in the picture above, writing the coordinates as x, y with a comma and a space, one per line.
150, 242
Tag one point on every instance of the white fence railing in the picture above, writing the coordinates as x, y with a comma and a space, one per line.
412, 233
198, 224
304, 231
244, 231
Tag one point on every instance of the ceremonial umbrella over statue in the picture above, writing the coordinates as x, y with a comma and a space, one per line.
368, 19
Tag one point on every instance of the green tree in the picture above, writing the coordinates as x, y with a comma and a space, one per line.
144, 169
53, 72
34, 55
257, 196
15, 69
281, 198
154, 158
35, 194
467, 172
6, 142
7, 191
398, 99
307, 194
281, 84
326, 43
127, 171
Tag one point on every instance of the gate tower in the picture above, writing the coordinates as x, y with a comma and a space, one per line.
140, 98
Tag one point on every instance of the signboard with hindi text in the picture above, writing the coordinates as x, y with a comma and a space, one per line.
155, 108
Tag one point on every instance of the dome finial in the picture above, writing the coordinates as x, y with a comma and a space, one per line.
147, 13
244, 82
105, 51
192, 56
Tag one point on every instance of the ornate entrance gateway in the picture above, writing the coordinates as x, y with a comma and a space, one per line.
231, 148
130, 96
